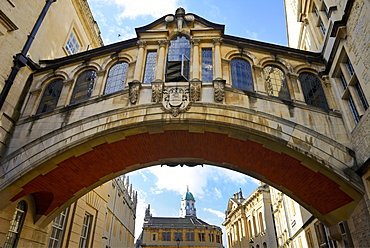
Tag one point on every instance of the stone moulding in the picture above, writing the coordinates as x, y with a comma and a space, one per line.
134, 88
219, 87
157, 91
195, 90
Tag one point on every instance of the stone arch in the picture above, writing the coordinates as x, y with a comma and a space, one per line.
244, 54
277, 149
42, 82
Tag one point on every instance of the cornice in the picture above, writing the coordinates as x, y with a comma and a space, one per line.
88, 21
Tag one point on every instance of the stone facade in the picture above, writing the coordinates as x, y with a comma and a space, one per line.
17, 19
249, 221
186, 231
213, 101
104, 217
340, 31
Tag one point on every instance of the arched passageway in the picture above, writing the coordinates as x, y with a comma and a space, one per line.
74, 172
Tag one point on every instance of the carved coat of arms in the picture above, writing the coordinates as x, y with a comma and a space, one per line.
176, 100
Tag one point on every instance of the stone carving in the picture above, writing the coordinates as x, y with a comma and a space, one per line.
219, 87
195, 88
157, 89
176, 100
134, 88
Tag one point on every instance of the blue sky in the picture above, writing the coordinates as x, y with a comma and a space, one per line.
261, 20
211, 186
163, 187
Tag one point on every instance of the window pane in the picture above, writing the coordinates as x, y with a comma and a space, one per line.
276, 83
312, 90
85, 230
84, 86
116, 78
72, 45
16, 225
178, 60
241, 74
207, 65
150, 67
51, 96
362, 96
353, 109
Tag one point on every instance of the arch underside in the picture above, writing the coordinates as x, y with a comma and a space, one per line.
320, 191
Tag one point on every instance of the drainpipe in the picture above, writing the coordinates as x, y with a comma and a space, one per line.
20, 59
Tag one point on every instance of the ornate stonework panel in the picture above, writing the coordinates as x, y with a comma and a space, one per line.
157, 89
176, 100
195, 89
219, 86
134, 88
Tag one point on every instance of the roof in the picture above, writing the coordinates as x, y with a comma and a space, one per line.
189, 196
178, 222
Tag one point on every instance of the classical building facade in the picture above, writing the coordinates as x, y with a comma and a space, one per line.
269, 218
184, 92
186, 231
249, 221
25, 39
340, 31
104, 217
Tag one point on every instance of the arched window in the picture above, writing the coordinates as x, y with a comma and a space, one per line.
312, 89
276, 83
262, 227
178, 62
241, 74
83, 87
116, 77
51, 96
16, 225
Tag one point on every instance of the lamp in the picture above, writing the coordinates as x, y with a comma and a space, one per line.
178, 242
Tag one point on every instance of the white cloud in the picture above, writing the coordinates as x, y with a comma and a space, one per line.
218, 193
140, 212
251, 35
215, 212
134, 9
178, 178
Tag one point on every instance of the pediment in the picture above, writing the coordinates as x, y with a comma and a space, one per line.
180, 22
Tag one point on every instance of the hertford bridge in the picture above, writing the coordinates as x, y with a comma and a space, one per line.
265, 110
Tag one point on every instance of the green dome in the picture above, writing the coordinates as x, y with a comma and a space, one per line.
189, 196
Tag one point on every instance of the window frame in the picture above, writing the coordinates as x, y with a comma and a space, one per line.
285, 83
121, 75
44, 102
248, 84
149, 78
16, 225
312, 90
80, 83
86, 229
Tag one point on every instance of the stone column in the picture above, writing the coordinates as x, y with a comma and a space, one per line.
330, 97
161, 61
97, 90
139, 60
260, 81
66, 93
295, 88
196, 68
218, 65
33, 103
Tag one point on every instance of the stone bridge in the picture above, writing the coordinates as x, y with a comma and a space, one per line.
59, 154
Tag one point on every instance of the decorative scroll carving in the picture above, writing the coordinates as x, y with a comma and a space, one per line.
195, 89
157, 89
219, 87
134, 88
176, 100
